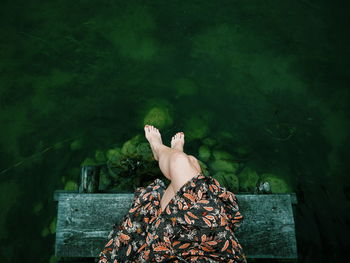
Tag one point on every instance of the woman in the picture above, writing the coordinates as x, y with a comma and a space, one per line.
193, 219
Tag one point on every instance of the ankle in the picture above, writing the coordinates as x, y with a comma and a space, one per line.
159, 147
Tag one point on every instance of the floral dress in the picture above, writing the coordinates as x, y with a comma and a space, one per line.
197, 225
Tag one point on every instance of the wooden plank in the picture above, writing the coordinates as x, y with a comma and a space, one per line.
268, 229
85, 220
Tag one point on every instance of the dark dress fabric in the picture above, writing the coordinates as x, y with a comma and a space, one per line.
197, 225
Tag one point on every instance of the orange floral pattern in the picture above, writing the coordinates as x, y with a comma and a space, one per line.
197, 225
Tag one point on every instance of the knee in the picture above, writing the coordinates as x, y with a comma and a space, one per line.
179, 157
192, 158
195, 162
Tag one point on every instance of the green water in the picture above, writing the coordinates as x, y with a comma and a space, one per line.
262, 79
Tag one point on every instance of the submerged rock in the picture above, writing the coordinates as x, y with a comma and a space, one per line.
88, 161
159, 117
204, 153
196, 128
114, 155
145, 151
226, 135
100, 156
242, 151
209, 142
263, 188
248, 179
277, 184
222, 155
71, 185
76, 144
129, 147
224, 166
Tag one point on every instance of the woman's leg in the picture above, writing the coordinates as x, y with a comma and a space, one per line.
177, 142
176, 165
182, 170
172, 161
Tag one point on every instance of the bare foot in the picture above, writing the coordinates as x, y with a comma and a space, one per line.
154, 138
178, 141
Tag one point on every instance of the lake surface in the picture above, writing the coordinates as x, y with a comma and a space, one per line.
264, 82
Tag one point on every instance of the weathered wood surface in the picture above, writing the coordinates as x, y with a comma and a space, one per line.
89, 179
85, 220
